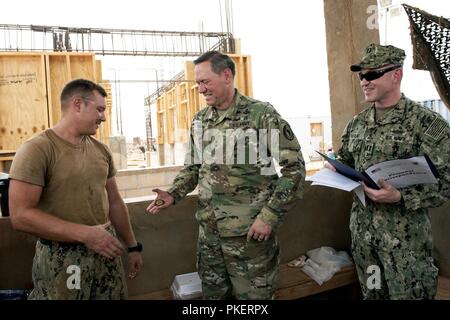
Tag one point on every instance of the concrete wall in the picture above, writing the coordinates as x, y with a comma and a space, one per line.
118, 147
140, 182
320, 219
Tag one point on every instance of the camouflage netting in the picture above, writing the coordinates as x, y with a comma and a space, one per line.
430, 36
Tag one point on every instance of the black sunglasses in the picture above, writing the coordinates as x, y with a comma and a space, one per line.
373, 75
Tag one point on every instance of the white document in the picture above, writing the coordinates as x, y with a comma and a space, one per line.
328, 178
399, 173
403, 172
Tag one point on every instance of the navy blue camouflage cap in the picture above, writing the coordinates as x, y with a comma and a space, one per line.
376, 56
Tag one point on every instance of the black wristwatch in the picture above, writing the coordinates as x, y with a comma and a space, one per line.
137, 248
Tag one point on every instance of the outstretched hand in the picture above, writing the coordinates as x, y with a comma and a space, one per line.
163, 200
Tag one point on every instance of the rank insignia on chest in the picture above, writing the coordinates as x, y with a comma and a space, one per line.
240, 124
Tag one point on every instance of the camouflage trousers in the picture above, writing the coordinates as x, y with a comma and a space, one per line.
232, 267
73, 272
392, 251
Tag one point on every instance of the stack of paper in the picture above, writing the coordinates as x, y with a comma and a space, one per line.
329, 178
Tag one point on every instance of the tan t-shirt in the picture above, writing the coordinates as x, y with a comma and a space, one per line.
73, 177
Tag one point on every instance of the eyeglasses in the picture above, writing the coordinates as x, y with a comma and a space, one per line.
373, 75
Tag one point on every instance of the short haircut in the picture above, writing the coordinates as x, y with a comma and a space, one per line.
84, 88
219, 61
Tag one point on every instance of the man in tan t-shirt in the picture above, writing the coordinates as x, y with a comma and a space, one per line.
63, 190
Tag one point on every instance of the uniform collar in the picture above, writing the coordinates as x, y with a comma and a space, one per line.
392, 116
213, 115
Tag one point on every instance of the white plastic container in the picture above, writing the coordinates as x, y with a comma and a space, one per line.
186, 286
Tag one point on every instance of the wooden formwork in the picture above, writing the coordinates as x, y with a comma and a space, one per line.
23, 98
30, 86
105, 130
160, 110
61, 68
182, 101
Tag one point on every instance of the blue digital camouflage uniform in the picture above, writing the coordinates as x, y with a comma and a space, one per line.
233, 195
397, 237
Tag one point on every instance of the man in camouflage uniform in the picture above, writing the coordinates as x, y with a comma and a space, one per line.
241, 198
393, 233
63, 190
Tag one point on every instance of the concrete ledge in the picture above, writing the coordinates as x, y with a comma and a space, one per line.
138, 182
163, 169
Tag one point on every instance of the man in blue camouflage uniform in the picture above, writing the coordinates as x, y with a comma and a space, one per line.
393, 233
241, 198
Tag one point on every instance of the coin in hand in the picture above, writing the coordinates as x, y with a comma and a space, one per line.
159, 202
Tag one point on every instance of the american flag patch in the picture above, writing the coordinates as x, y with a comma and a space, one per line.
436, 128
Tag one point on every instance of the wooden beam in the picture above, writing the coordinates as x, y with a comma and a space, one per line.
293, 284
443, 292
349, 30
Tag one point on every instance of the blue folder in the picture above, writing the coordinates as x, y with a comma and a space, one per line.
351, 173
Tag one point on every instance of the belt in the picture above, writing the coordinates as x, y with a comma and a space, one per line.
51, 243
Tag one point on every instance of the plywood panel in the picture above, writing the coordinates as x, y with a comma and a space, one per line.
182, 112
64, 67
30, 87
23, 103
189, 71
98, 70
83, 66
171, 103
242, 80
160, 110
196, 102
104, 132
58, 70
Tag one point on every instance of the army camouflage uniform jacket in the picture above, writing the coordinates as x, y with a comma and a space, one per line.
233, 193
405, 131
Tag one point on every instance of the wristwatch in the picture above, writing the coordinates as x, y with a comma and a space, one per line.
137, 248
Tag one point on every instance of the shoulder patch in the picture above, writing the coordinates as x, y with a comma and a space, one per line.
437, 128
288, 132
